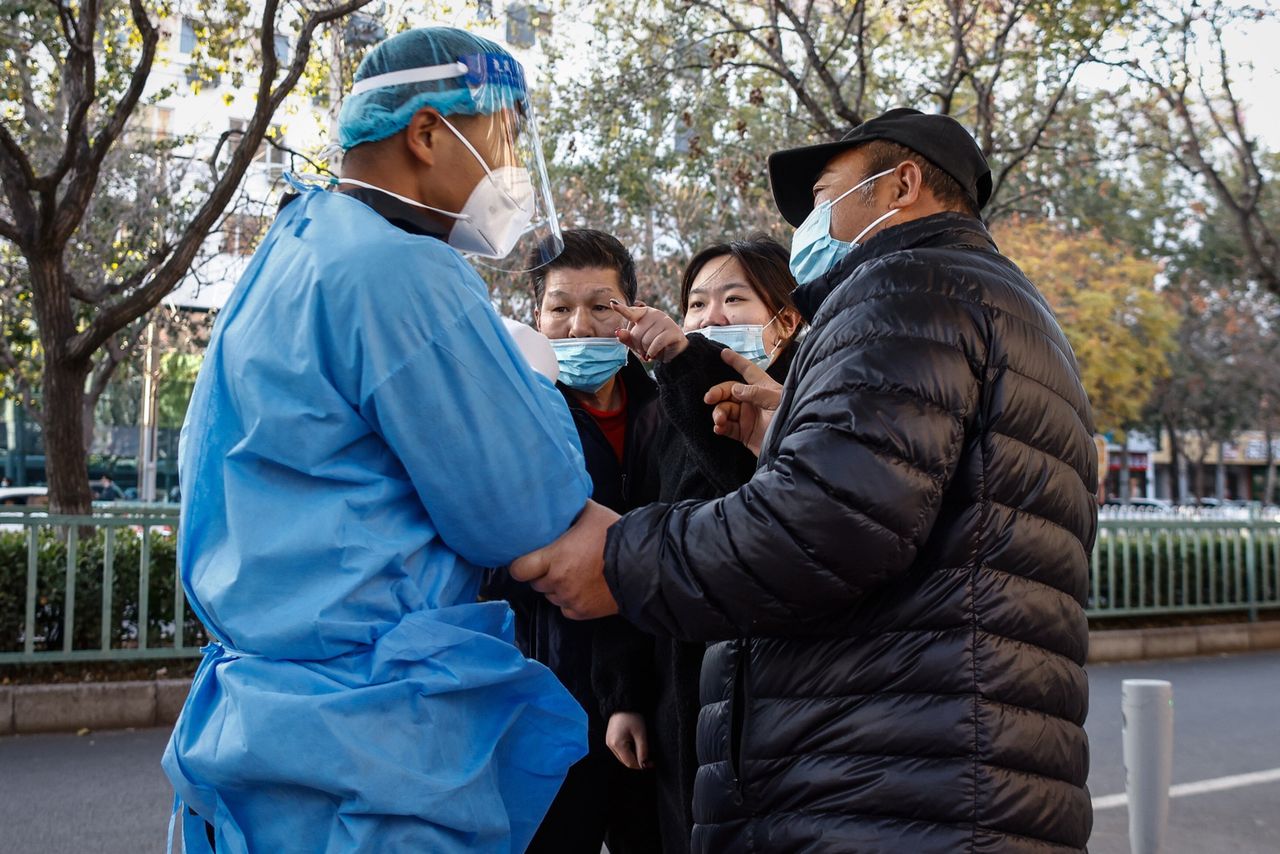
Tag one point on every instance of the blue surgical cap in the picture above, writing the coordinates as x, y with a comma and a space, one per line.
491, 81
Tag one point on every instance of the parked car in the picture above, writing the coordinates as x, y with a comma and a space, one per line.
1142, 503
20, 497
24, 496
1222, 502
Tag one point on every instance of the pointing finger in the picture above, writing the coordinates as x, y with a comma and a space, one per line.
630, 312
749, 370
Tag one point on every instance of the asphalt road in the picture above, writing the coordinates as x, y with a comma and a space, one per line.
105, 793
1226, 722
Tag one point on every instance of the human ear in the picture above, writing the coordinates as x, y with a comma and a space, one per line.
907, 181
789, 320
422, 135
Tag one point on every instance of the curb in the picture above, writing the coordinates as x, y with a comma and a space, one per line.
1181, 641
31, 709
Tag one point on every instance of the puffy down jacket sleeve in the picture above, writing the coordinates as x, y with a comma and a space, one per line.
847, 491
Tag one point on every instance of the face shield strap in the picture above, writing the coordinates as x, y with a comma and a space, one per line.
480, 69
427, 74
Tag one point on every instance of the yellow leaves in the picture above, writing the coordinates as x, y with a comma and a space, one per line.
1103, 295
228, 99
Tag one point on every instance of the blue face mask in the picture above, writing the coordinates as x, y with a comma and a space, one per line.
745, 339
586, 364
813, 250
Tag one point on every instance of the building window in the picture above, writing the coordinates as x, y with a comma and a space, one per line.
194, 77
484, 10
187, 38
241, 233
153, 121
363, 30
527, 22
271, 156
282, 48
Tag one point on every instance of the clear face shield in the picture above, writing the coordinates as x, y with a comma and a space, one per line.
508, 223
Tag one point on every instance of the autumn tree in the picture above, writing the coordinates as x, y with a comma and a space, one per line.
78, 76
1104, 296
1224, 370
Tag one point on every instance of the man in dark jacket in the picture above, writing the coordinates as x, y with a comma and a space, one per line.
899, 590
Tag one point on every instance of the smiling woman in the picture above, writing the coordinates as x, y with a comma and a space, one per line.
745, 282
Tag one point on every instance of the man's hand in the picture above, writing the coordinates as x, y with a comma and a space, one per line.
628, 738
743, 411
652, 335
570, 571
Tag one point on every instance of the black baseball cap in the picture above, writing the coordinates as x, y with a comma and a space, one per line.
941, 140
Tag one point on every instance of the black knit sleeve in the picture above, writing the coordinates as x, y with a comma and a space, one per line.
623, 675
682, 383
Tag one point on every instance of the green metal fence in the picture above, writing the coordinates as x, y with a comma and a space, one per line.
1147, 565
98, 587
106, 587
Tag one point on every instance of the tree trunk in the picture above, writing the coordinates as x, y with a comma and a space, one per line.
1202, 455
66, 462
1125, 489
1177, 468
62, 389
1220, 474
1269, 487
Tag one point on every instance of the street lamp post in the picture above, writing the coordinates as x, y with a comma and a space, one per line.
147, 426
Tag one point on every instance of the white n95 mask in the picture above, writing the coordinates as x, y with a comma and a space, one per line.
496, 214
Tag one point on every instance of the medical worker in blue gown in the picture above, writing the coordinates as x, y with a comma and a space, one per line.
363, 440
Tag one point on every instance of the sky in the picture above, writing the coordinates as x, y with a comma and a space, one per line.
1259, 85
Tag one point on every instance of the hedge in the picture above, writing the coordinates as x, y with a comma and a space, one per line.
51, 589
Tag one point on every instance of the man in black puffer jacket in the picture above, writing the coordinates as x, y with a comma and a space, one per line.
898, 593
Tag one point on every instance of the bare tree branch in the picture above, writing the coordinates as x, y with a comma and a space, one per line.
17, 177
1193, 151
779, 67
133, 304
1033, 140
841, 106
87, 163
117, 349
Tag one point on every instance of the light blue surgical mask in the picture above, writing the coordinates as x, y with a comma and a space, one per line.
813, 250
745, 339
586, 364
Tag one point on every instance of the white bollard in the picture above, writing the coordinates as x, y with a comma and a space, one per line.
1146, 706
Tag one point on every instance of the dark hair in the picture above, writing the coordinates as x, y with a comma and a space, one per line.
766, 262
585, 247
883, 154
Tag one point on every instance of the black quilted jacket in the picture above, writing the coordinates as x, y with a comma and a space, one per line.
898, 592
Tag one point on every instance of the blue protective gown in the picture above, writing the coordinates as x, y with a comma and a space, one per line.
363, 438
